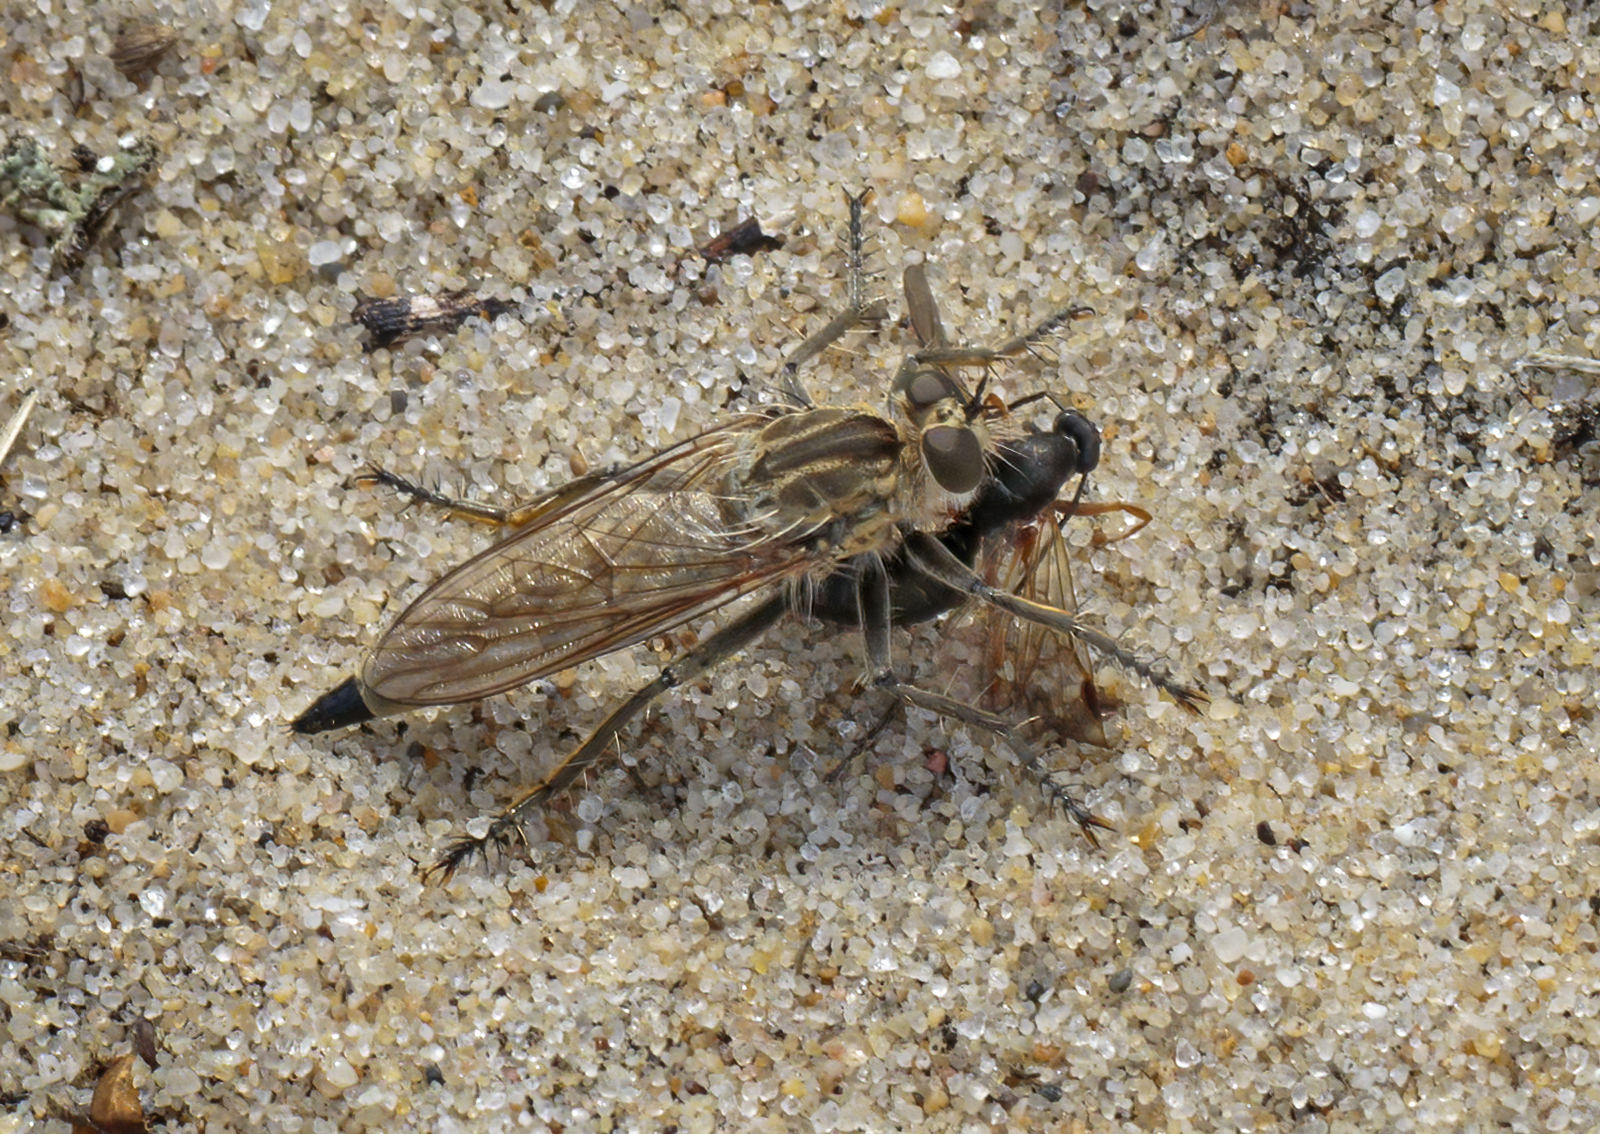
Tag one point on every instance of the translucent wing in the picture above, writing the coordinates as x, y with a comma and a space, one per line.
602, 564
1046, 675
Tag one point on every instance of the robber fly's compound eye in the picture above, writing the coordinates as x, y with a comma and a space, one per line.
927, 389
951, 452
1084, 434
954, 457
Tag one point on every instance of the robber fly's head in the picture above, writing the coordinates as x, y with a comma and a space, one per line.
949, 425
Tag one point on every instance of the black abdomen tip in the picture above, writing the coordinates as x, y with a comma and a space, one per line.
336, 709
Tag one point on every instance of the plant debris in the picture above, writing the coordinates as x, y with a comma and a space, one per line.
33, 191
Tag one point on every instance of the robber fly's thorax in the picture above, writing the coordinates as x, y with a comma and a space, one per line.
828, 477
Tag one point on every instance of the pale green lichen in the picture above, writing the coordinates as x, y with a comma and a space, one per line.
33, 191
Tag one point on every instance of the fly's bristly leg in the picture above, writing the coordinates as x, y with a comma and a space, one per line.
953, 709
876, 622
468, 509
944, 355
836, 773
512, 517
937, 350
932, 558
506, 828
858, 309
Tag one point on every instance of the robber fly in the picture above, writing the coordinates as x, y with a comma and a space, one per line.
838, 512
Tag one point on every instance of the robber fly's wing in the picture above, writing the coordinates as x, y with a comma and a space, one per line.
603, 563
1047, 675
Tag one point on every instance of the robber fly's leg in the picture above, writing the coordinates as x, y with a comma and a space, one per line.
872, 594
515, 516
471, 509
857, 310
507, 827
873, 615
933, 559
836, 773
937, 353
1002, 728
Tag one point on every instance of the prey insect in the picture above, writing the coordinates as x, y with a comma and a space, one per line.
838, 512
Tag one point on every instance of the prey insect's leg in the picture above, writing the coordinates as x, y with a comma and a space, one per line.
1141, 518
876, 620
932, 558
707, 655
857, 310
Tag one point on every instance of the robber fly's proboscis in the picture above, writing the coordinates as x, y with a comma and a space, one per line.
838, 513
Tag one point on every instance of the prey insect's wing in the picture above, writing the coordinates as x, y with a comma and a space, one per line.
1047, 675
601, 564
922, 309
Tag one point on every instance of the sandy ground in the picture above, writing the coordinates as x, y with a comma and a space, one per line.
1321, 244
